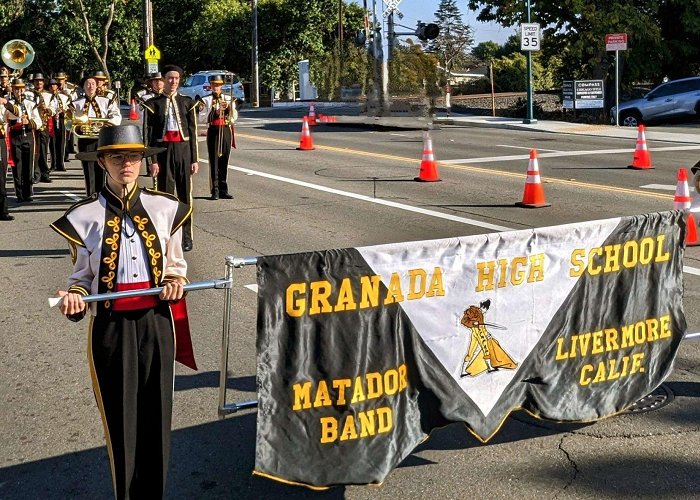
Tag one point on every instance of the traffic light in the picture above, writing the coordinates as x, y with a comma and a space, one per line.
426, 32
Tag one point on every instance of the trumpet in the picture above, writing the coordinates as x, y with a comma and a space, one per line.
86, 127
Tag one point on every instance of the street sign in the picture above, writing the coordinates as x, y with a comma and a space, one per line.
529, 36
152, 67
615, 41
389, 6
567, 94
151, 54
589, 94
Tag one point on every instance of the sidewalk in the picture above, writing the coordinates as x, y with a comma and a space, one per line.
688, 133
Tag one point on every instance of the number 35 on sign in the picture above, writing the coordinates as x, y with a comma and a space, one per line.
529, 36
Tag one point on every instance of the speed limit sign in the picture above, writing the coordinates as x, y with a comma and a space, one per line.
529, 36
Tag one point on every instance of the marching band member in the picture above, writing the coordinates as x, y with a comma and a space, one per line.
70, 90
92, 106
171, 123
5, 88
4, 213
217, 113
126, 238
23, 119
58, 104
44, 134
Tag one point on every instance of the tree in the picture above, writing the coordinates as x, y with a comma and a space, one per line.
486, 51
664, 35
452, 44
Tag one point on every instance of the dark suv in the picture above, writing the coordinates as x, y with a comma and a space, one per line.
675, 99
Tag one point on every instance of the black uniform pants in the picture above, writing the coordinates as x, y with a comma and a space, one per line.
57, 143
94, 175
218, 141
132, 356
22, 145
175, 176
3, 176
41, 163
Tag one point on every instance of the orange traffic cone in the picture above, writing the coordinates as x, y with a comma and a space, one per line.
133, 114
306, 142
533, 196
312, 115
682, 201
642, 158
428, 166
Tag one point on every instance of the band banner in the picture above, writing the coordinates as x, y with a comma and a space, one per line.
363, 351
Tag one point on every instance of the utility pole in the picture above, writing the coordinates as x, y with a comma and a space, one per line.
147, 28
255, 84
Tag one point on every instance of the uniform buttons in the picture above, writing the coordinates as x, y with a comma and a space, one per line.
133, 258
132, 240
136, 275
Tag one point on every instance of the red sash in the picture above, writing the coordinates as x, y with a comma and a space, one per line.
172, 136
184, 353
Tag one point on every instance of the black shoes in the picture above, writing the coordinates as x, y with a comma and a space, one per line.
186, 246
7, 217
225, 196
46, 179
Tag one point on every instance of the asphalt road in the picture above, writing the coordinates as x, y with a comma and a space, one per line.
289, 201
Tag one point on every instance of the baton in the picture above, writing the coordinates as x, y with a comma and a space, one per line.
199, 285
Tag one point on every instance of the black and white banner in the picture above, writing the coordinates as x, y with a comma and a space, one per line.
363, 351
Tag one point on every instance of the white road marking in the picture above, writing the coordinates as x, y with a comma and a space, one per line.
253, 287
662, 187
368, 199
400, 135
691, 336
401, 206
72, 196
566, 153
525, 147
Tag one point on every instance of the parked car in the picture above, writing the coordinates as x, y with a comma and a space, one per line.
670, 100
197, 84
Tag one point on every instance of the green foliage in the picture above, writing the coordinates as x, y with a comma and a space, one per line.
454, 41
486, 51
412, 70
510, 74
664, 35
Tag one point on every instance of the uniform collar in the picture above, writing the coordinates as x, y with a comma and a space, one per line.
117, 202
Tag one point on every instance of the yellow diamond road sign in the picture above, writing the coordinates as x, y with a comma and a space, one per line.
152, 53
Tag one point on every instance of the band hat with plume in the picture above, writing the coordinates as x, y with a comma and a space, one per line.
119, 139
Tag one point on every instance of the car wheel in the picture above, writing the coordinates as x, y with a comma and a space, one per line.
630, 119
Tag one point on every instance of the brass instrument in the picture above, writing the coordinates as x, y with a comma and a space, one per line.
17, 54
86, 127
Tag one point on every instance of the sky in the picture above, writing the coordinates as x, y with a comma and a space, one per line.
424, 10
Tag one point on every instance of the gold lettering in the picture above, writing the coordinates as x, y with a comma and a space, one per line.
561, 355
341, 385
394, 293
665, 331
578, 264
329, 430
660, 255
486, 275
593, 269
346, 299
370, 291
320, 292
612, 258
295, 306
358, 394
436, 287
536, 268
611, 339
302, 396
416, 277
322, 396
374, 385
391, 382
517, 275
585, 378
349, 431
597, 342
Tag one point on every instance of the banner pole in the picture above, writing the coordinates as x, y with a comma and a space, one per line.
224, 409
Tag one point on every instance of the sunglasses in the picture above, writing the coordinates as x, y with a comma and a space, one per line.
120, 157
